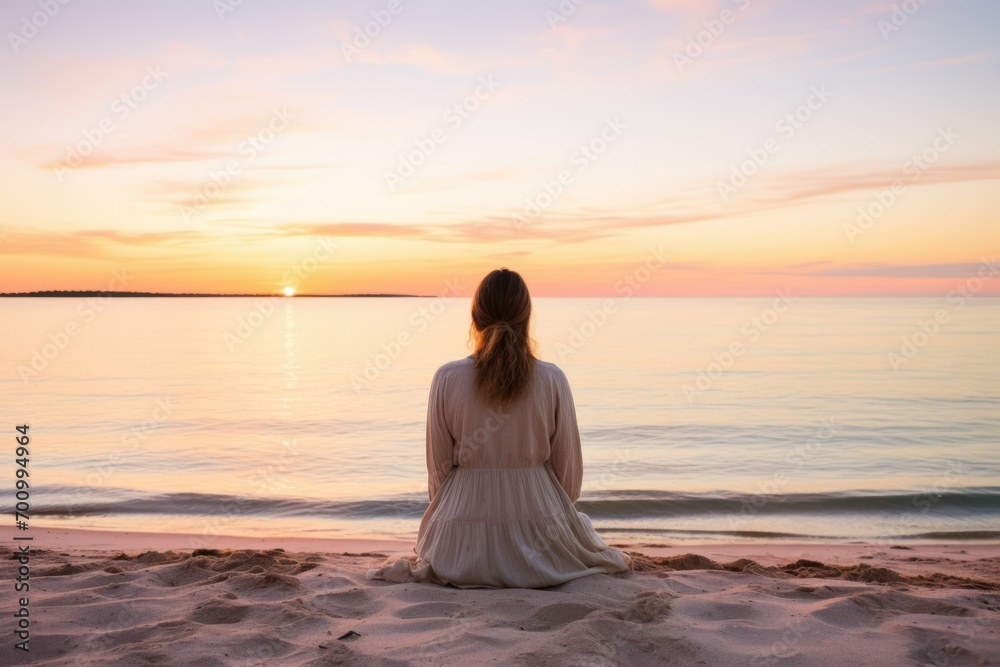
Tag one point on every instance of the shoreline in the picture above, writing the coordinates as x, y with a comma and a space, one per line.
101, 597
109, 539
106, 540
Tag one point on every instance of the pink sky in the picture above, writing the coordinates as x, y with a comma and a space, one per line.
840, 149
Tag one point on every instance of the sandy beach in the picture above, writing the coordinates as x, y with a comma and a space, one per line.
105, 598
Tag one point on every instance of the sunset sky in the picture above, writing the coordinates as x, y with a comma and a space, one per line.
227, 146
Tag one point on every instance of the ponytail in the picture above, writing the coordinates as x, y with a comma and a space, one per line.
501, 311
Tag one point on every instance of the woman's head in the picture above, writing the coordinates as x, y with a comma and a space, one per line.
504, 354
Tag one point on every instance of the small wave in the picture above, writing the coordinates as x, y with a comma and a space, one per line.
955, 535
946, 536
633, 505
207, 504
654, 504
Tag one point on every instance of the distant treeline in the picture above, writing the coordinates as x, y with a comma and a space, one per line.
86, 293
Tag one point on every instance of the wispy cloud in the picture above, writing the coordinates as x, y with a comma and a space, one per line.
940, 62
687, 7
92, 243
792, 188
135, 156
955, 270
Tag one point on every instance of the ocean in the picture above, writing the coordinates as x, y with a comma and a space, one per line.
779, 418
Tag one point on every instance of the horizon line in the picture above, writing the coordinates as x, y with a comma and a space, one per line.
279, 295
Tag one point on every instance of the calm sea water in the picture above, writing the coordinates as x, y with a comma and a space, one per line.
707, 419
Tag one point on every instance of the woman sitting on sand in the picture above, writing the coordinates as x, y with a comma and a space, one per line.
504, 464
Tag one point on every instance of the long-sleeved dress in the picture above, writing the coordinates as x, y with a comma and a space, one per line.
502, 484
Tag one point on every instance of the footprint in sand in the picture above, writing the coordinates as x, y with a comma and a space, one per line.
431, 610
160, 633
267, 586
219, 611
66, 569
935, 649
351, 603
872, 608
190, 571
555, 616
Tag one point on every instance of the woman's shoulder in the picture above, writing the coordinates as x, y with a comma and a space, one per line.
550, 370
456, 365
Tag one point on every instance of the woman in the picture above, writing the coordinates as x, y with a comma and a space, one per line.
504, 464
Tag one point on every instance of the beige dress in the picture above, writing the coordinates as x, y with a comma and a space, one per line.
502, 486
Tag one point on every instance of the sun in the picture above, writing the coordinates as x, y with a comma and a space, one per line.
289, 291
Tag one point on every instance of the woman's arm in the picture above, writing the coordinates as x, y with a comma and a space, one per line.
566, 454
440, 444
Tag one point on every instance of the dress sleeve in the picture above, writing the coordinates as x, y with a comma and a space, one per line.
440, 444
566, 455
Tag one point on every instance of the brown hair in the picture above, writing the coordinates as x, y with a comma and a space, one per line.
504, 353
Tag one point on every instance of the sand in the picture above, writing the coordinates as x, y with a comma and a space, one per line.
104, 598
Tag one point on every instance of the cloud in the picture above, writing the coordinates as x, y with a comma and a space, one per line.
91, 243
781, 190
687, 7
246, 188
564, 227
221, 135
137, 156
941, 62
693, 205
358, 229
956, 270
561, 230
730, 55
795, 187
459, 180
428, 57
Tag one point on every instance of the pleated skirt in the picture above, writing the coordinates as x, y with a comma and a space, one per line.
510, 528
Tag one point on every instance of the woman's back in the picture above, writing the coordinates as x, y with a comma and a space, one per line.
539, 427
